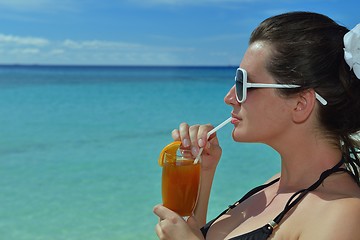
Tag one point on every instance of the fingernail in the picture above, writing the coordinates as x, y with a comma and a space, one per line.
176, 135
194, 151
186, 142
201, 143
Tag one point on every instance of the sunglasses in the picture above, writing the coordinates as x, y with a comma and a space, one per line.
241, 86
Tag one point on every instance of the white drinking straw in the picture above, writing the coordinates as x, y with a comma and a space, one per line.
209, 134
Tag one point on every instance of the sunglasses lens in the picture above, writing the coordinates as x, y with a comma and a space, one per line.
239, 85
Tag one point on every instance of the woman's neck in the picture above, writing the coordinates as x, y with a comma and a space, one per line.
303, 161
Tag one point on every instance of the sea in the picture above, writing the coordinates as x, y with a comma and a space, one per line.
79, 147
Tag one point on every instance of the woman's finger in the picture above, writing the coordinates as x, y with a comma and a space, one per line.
159, 231
160, 211
193, 131
164, 213
184, 135
175, 135
202, 134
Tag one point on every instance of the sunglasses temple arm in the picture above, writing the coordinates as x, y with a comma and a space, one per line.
320, 99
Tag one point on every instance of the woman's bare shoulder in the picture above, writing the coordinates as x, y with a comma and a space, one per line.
336, 219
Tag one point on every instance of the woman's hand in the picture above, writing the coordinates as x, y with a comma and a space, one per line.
195, 137
171, 226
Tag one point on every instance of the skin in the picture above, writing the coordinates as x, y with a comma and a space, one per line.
290, 126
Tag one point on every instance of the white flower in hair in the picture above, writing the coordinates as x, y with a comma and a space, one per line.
352, 49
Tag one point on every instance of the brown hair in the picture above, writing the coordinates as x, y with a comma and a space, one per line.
307, 50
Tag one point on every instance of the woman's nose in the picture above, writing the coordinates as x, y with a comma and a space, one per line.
230, 97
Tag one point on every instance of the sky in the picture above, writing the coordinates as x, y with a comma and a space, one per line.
143, 32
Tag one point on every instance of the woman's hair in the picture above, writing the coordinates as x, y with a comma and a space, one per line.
307, 49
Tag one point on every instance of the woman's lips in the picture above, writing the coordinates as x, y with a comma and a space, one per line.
235, 119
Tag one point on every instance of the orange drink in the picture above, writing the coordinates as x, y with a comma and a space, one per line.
180, 184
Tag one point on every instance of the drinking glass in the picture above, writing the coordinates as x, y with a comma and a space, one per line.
180, 183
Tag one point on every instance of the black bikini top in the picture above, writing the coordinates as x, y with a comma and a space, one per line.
265, 232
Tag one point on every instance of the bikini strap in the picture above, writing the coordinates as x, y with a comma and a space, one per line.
299, 195
252, 192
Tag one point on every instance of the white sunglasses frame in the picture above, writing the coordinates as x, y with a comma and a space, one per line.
247, 85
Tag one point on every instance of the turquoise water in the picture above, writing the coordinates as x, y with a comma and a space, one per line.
79, 147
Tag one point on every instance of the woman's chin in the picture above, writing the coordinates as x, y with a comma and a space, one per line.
239, 136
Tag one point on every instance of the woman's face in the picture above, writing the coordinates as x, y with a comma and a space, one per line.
264, 116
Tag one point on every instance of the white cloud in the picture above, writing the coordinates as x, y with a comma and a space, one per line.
117, 52
37, 50
100, 44
26, 51
35, 41
56, 52
71, 44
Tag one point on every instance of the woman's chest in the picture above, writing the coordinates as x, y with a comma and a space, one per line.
257, 212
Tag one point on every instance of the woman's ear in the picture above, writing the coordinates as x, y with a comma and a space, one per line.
304, 105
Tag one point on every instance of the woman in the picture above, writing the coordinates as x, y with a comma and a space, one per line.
308, 117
